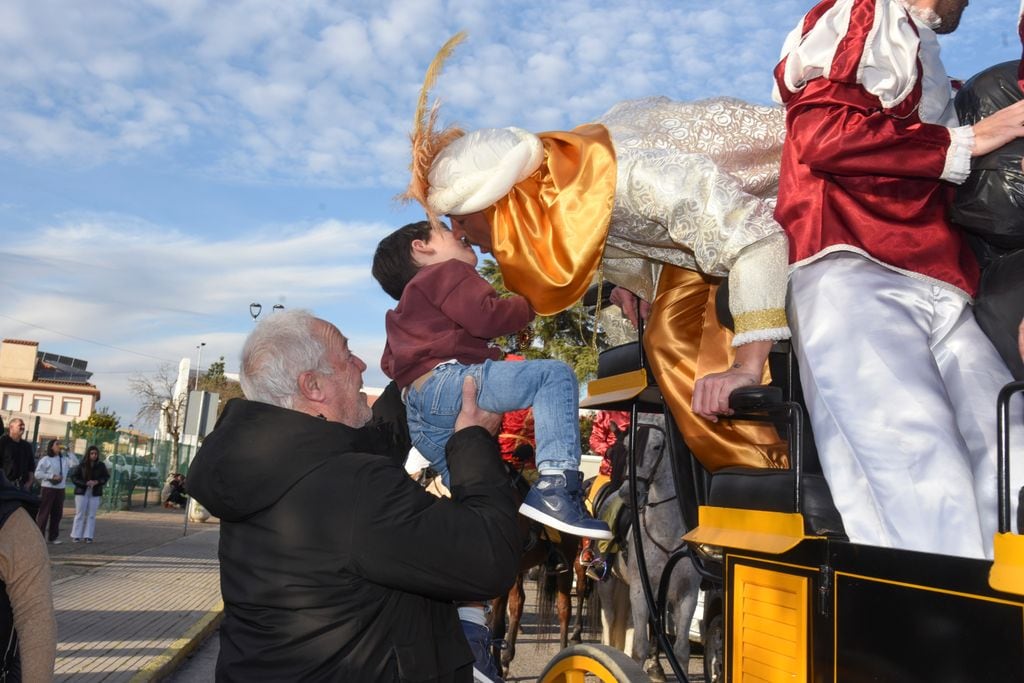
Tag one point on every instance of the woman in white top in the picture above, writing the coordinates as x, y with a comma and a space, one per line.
52, 474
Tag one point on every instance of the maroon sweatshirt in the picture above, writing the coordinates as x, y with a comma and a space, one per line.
447, 311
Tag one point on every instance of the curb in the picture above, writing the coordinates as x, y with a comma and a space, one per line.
164, 664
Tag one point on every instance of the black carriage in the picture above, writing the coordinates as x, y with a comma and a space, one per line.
789, 598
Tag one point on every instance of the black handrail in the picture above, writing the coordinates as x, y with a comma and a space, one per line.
641, 558
1003, 452
770, 411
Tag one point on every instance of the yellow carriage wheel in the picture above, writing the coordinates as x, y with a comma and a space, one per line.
589, 662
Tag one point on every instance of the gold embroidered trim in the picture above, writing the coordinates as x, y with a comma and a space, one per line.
759, 320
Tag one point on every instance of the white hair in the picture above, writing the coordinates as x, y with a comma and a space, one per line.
283, 346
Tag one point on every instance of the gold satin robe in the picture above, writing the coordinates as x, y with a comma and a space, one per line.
666, 198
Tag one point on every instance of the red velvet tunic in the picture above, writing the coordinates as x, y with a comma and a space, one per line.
862, 177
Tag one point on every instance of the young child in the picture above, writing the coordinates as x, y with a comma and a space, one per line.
441, 331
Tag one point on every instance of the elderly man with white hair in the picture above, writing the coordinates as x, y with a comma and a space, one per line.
335, 565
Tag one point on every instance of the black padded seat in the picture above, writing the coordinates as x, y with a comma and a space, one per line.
772, 490
619, 359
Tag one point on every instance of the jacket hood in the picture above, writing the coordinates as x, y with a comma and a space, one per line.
258, 451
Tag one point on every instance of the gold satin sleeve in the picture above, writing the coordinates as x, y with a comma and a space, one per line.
684, 341
548, 233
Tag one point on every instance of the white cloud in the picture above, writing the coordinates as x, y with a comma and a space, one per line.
115, 66
305, 94
122, 282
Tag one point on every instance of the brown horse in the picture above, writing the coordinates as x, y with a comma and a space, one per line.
556, 556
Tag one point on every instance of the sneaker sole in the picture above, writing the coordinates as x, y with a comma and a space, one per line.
555, 523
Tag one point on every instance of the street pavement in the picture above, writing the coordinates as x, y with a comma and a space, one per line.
134, 603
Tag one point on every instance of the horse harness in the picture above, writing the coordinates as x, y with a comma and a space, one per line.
645, 505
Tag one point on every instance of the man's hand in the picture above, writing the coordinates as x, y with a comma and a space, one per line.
473, 415
994, 131
711, 392
632, 306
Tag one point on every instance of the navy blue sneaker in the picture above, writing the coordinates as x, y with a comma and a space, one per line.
479, 639
557, 501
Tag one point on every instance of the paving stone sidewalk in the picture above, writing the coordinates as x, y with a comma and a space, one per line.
132, 604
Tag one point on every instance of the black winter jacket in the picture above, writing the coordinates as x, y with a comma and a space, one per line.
335, 565
99, 473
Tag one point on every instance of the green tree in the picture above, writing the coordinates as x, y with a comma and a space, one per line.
102, 419
215, 381
567, 336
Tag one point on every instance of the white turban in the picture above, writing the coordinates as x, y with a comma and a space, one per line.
479, 168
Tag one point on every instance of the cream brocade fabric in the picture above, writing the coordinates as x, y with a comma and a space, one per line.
696, 186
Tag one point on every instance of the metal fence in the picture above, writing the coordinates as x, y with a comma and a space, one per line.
139, 466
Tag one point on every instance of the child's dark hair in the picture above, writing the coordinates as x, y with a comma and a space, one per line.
393, 265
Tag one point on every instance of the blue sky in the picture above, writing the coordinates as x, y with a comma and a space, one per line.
163, 163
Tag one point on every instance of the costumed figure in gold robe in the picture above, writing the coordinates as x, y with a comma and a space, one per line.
659, 197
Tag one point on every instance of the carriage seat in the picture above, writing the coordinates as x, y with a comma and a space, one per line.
619, 359
773, 490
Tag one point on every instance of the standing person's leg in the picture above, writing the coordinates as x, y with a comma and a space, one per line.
56, 514
886, 433
46, 495
974, 372
81, 510
684, 340
93, 503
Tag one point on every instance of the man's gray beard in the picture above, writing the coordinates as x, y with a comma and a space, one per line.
926, 16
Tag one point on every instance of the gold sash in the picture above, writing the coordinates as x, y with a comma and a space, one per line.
548, 233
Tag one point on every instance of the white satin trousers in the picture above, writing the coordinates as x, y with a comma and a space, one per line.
901, 386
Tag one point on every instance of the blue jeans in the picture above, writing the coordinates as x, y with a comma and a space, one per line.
548, 386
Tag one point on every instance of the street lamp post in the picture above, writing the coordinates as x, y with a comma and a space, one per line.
199, 362
256, 308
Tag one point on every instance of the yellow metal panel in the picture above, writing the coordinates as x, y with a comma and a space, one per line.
766, 532
767, 658
769, 625
1007, 573
756, 672
616, 388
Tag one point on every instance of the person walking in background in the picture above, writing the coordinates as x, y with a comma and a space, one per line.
52, 473
88, 478
16, 455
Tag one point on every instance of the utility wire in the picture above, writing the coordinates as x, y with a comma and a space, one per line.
88, 341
